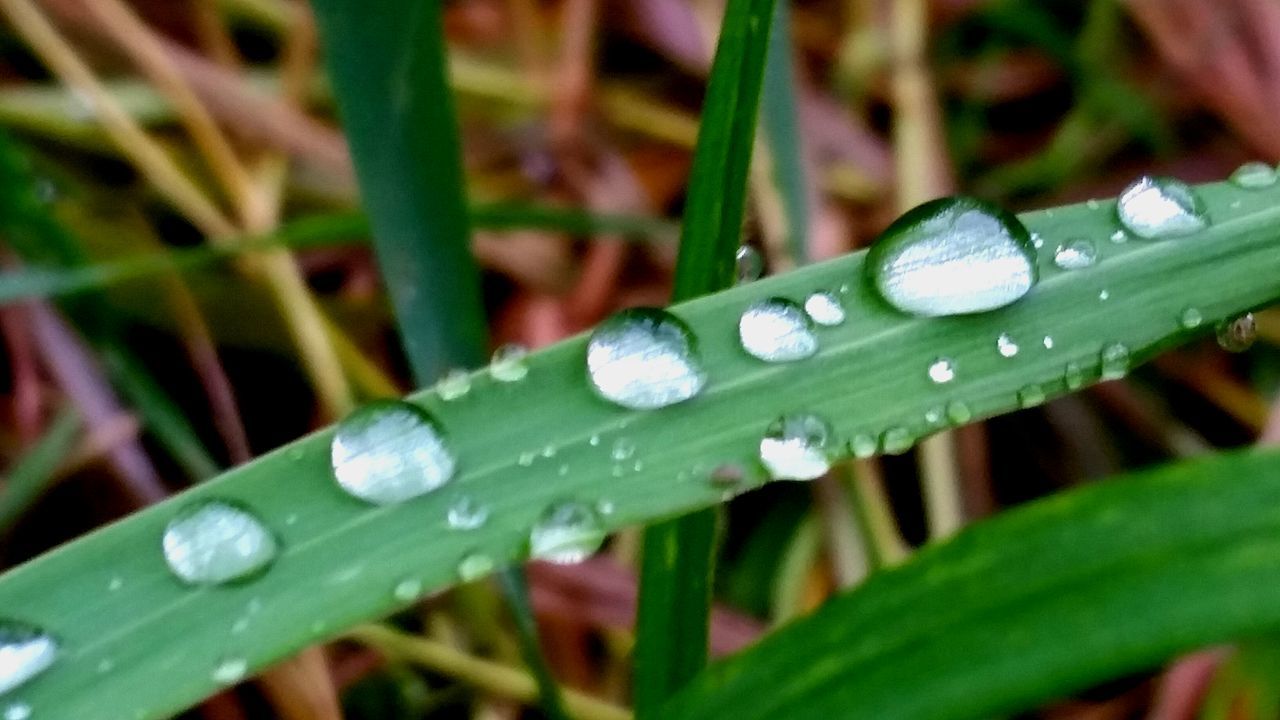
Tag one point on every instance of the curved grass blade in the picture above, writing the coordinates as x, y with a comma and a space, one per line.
1041, 601
341, 560
33, 471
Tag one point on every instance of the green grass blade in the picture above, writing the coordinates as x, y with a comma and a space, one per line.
33, 471
780, 123
1039, 602
341, 560
678, 555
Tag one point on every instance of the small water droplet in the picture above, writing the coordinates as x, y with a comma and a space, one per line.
25, 652
549, 451
1092, 204
466, 514
455, 384
106, 665
390, 451
474, 566
525, 459
748, 264
1047, 341
1190, 318
1235, 204
951, 257
1075, 255
1073, 376
17, 711
1237, 334
1030, 396
1161, 207
1119, 237
567, 533
407, 589
1006, 346
1037, 240
896, 440
1115, 360
777, 330
115, 583
623, 449
230, 671
1254, 176
824, 308
958, 412
1104, 295
507, 364
605, 507
644, 358
563, 470
239, 626
863, 445
291, 519
594, 441
796, 447
933, 417
942, 370
211, 542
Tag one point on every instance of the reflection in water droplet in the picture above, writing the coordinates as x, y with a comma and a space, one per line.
1075, 255
567, 533
390, 451
896, 440
824, 308
1254, 176
777, 330
1160, 207
1237, 334
230, 671
644, 358
455, 384
474, 566
508, 363
953, 256
25, 652
1006, 346
211, 542
1115, 361
466, 514
942, 371
1190, 318
796, 447
748, 264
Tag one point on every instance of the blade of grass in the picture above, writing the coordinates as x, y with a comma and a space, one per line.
34, 470
678, 555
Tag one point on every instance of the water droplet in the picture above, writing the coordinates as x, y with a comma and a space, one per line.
1235, 204
896, 440
1115, 361
605, 507
466, 514
474, 566
644, 358
1092, 204
1190, 318
408, 589
525, 459
115, 583
1254, 176
824, 308
958, 412
25, 652
1030, 396
1006, 346
777, 330
1073, 376
748, 263
455, 384
508, 364
230, 671
862, 445
1037, 240
567, 533
1104, 295
796, 447
106, 665
1237, 334
933, 417
1075, 255
17, 711
1161, 207
623, 449
390, 451
951, 257
942, 370
594, 441
549, 451
1047, 342
211, 542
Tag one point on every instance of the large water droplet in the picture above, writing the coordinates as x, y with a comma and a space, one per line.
567, 533
1161, 207
507, 364
797, 447
1237, 334
1075, 255
777, 330
824, 308
390, 451
1006, 346
25, 651
212, 542
748, 264
466, 514
942, 370
1254, 176
474, 566
644, 358
455, 384
1115, 361
953, 256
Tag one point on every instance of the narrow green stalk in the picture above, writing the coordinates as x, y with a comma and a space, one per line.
32, 473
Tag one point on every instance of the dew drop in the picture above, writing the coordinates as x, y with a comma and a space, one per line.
474, 566
1161, 207
623, 449
1075, 255
933, 416
1047, 341
644, 358
1030, 396
115, 583
1073, 376
824, 308
1115, 361
1006, 346
605, 507
390, 451
455, 384
525, 459
211, 542
953, 256
230, 671
796, 447
896, 440
567, 533
958, 412
508, 363
1254, 176
942, 371
777, 330
1104, 295
407, 589
1190, 318
25, 652
1037, 240
466, 514
105, 665
1237, 334
1092, 204
862, 445
748, 264
17, 711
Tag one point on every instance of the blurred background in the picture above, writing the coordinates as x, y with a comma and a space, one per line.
187, 279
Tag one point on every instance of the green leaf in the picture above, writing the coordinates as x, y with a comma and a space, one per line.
678, 555
341, 560
1039, 602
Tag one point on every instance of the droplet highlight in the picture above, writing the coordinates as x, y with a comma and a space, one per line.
796, 447
211, 542
777, 330
1075, 255
466, 514
508, 363
25, 652
643, 359
1161, 207
1254, 176
1006, 346
567, 533
391, 451
942, 371
454, 385
748, 264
